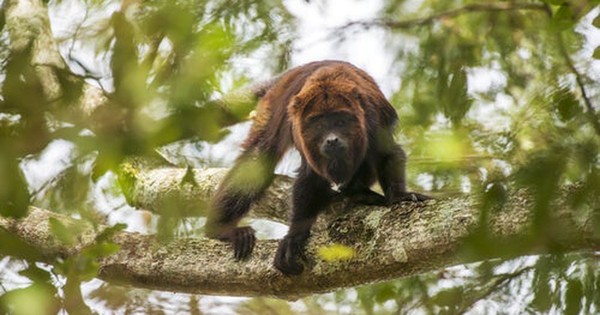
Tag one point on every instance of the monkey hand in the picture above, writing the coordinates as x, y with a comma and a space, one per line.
289, 253
241, 238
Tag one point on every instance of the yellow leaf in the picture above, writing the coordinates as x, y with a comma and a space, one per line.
335, 252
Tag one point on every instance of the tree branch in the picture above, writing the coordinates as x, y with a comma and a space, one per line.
167, 191
387, 243
477, 294
29, 28
591, 112
469, 8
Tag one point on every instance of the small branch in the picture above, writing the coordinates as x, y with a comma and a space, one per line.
591, 112
488, 288
470, 8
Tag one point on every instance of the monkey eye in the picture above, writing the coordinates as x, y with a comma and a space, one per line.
340, 123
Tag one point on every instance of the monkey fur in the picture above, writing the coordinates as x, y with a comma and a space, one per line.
341, 123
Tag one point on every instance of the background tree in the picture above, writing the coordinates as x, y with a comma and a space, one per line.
495, 98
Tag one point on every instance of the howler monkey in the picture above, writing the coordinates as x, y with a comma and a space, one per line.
342, 125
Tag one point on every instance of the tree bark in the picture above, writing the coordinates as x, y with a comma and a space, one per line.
386, 243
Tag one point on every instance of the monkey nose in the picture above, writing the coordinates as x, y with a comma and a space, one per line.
332, 140
332, 145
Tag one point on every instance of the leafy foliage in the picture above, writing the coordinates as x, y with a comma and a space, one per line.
494, 96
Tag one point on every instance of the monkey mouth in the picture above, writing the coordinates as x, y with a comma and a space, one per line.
338, 172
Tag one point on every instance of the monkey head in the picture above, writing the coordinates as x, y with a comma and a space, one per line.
329, 129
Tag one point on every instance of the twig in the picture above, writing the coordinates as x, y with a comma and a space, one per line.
475, 7
591, 112
490, 288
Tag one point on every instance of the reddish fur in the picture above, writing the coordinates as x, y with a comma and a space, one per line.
314, 89
326, 91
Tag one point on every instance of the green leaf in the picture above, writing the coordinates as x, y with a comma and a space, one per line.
384, 293
563, 19
110, 231
101, 250
84, 266
596, 54
62, 233
596, 21
12, 245
36, 274
574, 297
14, 194
448, 297
457, 100
555, 2
542, 294
35, 299
566, 103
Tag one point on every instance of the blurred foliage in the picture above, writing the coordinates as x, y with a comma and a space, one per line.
494, 96
167, 63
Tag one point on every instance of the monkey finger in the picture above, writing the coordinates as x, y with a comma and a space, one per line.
421, 197
241, 250
293, 266
302, 256
410, 196
244, 242
238, 248
237, 244
244, 250
250, 241
297, 252
243, 245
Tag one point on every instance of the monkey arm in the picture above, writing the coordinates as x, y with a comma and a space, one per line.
391, 172
311, 194
243, 185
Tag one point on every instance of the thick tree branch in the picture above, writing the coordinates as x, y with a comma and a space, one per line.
387, 242
172, 191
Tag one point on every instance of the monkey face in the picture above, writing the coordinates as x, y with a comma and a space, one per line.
336, 144
329, 127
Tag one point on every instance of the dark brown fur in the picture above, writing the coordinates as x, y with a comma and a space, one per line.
342, 125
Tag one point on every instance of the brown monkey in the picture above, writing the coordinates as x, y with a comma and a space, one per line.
342, 124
